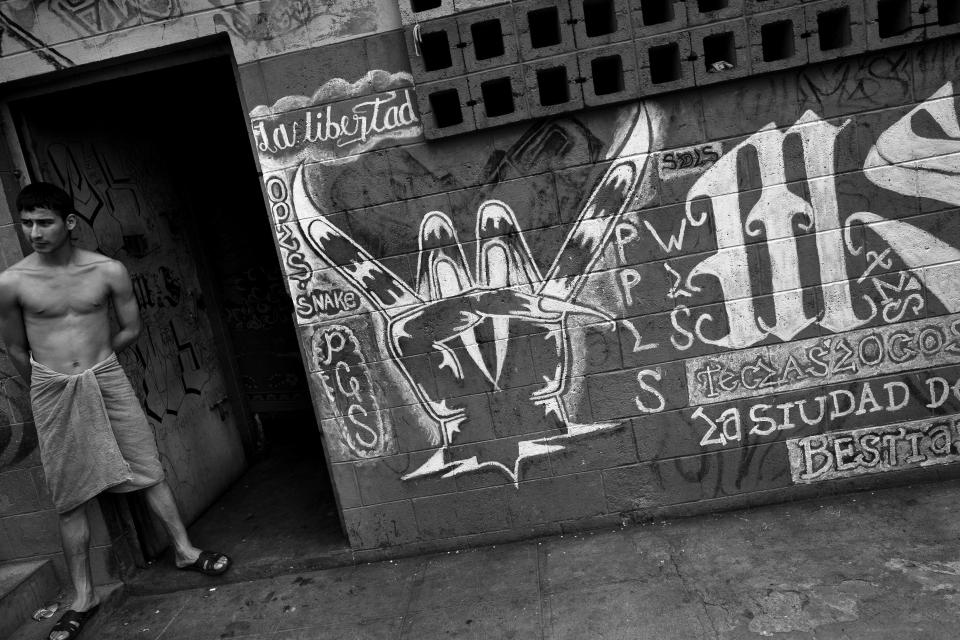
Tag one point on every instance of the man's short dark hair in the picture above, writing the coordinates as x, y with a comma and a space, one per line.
47, 196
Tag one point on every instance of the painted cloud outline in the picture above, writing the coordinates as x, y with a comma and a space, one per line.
336, 89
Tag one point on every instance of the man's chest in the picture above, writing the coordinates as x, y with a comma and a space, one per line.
63, 294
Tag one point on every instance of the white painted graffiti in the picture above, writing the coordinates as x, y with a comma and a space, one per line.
779, 215
339, 119
452, 303
454, 330
843, 454
387, 115
817, 361
764, 419
349, 390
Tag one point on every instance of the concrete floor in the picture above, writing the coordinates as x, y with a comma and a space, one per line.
280, 517
874, 565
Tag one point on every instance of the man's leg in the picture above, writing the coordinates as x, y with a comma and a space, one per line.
75, 533
161, 502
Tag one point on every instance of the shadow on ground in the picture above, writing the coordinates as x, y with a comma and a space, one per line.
873, 565
279, 518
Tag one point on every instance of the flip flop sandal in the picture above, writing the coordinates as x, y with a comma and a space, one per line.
72, 622
206, 563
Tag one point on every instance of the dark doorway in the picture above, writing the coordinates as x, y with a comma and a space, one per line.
162, 167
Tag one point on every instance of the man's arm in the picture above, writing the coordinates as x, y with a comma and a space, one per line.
12, 330
125, 304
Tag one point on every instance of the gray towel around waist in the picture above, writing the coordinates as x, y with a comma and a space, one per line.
79, 448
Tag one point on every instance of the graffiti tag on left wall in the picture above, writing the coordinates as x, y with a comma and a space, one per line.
339, 119
348, 387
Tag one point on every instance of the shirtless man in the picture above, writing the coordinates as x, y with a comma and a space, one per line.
54, 320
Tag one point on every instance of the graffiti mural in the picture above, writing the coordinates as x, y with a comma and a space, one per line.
452, 303
758, 299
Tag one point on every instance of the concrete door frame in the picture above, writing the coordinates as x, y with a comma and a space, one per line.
16, 152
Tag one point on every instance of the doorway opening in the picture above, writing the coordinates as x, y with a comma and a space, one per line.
161, 168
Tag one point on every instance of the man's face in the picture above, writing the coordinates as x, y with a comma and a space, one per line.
46, 230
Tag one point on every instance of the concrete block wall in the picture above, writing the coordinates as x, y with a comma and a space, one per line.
736, 276
719, 297
721, 40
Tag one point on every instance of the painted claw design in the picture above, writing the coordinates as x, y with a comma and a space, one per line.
503, 310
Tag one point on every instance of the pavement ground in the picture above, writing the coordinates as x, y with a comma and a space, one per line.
873, 565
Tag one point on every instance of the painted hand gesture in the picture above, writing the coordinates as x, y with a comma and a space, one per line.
452, 309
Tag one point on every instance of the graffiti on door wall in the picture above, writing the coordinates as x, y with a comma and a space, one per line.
32, 24
164, 366
19, 26
784, 301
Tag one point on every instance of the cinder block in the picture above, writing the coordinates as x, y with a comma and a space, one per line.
443, 108
836, 29
610, 74
543, 28
891, 23
462, 513
470, 5
535, 502
437, 54
489, 38
777, 40
382, 525
599, 22
18, 494
707, 11
414, 11
651, 17
721, 42
498, 96
29, 534
943, 18
664, 63
751, 7
553, 85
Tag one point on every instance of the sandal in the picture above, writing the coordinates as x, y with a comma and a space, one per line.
72, 622
206, 563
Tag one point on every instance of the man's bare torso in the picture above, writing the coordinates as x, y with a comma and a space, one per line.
65, 310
